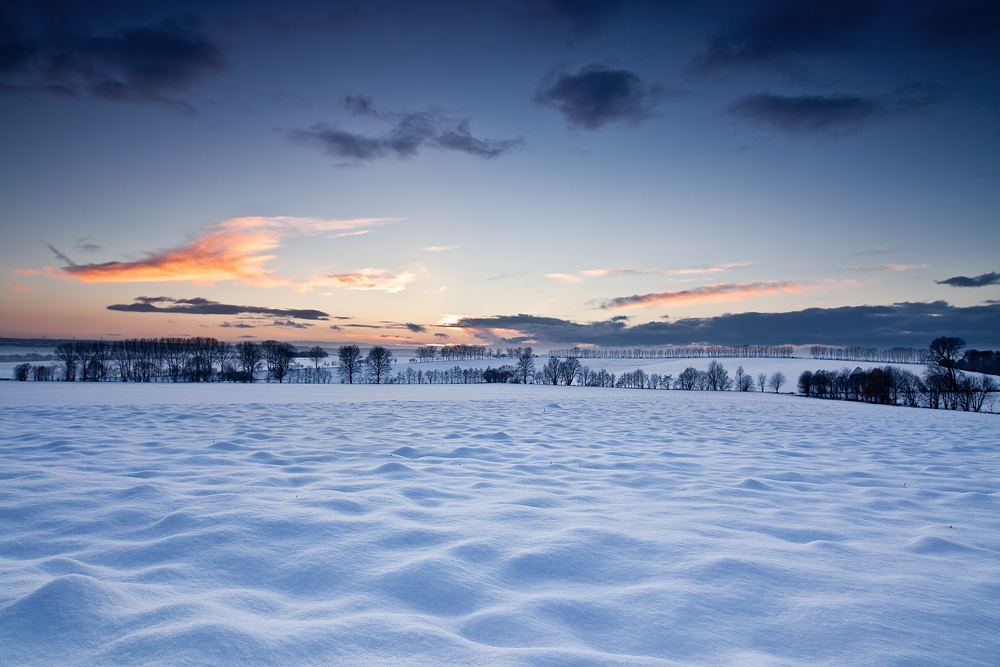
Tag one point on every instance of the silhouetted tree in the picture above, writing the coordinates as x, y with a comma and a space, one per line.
379, 363
21, 372
717, 377
525, 365
349, 358
805, 383
67, 354
742, 380
776, 380
249, 355
568, 370
317, 353
550, 371
688, 379
278, 356
945, 353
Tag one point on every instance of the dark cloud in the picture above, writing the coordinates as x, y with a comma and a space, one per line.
979, 281
61, 257
596, 96
360, 105
415, 328
836, 114
152, 63
290, 323
901, 324
237, 325
200, 306
441, 335
83, 246
779, 39
411, 133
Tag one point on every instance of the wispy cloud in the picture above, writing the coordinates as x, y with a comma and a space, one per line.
410, 133
718, 268
19, 288
440, 248
609, 273
25, 272
888, 267
202, 306
597, 96
706, 294
364, 279
234, 250
563, 277
83, 245
981, 280
839, 113
343, 234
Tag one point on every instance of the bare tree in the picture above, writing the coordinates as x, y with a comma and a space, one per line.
526, 365
743, 380
776, 380
569, 369
379, 363
349, 358
946, 352
317, 353
688, 379
249, 355
550, 371
278, 357
21, 372
67, 355
762, 381
718, 377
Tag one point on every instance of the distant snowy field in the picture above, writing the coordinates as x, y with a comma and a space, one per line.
491, 525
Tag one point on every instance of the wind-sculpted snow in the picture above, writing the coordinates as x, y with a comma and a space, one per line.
543, 526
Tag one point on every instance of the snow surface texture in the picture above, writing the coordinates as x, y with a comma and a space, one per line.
493, 525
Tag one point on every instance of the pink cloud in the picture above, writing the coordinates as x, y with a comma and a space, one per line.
706, 294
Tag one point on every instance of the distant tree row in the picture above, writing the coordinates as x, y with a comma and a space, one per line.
164, 360
688, 352
454, 352
894, 355
943, 385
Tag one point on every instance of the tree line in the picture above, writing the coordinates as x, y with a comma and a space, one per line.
688, 352
943, 384
894, 355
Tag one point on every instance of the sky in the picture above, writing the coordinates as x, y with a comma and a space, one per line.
548, 173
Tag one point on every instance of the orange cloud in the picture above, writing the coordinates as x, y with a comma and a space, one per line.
601, 273
563, 277
25, 272
19, 288
235, 249
706, 294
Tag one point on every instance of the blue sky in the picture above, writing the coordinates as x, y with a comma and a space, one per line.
551, 173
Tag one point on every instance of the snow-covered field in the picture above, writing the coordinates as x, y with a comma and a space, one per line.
491, 525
